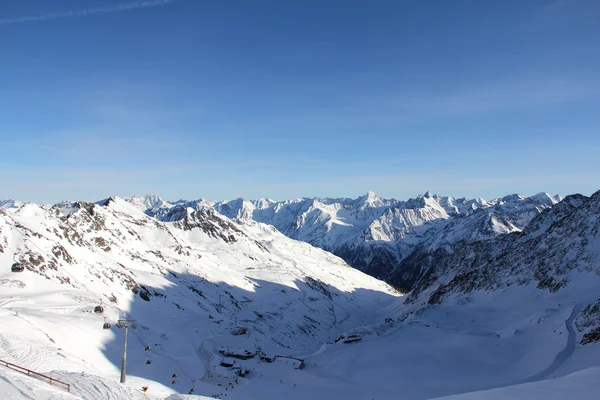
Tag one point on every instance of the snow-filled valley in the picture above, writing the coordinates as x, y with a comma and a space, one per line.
234, 309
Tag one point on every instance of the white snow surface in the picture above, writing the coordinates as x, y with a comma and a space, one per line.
579, 385
214, 284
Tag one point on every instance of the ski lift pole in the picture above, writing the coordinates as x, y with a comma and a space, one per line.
124, 324
124, 362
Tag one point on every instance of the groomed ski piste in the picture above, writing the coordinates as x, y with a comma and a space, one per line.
242, 312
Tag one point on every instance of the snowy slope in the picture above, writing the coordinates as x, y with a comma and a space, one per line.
193, 286
579, 385
15, 386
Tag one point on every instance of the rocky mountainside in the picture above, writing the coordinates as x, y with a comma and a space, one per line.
559, 246
371, 233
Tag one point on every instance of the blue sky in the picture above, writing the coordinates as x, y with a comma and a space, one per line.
281, 99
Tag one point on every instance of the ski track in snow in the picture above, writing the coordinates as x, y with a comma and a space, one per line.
565, 353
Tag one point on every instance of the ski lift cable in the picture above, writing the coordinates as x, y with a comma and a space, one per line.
64, 270
142, 341
120, 311
90, 245
11, 249
15, 253
57, 260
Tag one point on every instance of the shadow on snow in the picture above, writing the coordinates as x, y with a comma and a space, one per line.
180, 327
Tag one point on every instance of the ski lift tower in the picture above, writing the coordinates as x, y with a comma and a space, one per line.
124, 323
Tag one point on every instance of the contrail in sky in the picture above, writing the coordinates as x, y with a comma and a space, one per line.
87, 11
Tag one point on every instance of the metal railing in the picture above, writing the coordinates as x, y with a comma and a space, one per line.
49, 380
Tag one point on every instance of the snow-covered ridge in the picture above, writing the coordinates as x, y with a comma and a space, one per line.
371, 233
558, 246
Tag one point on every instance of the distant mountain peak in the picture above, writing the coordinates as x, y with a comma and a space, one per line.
370, 195
4, 204
512, 197
371, 199
147, 202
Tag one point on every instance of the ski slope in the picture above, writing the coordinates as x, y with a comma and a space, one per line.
447, 350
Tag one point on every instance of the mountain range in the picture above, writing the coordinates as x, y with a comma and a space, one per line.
484, 295
370, 233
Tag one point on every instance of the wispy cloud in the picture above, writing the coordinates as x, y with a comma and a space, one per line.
87, 11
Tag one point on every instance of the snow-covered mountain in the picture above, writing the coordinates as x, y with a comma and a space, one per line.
5, 204
559, 245
374, 234
198, 277
504, 299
